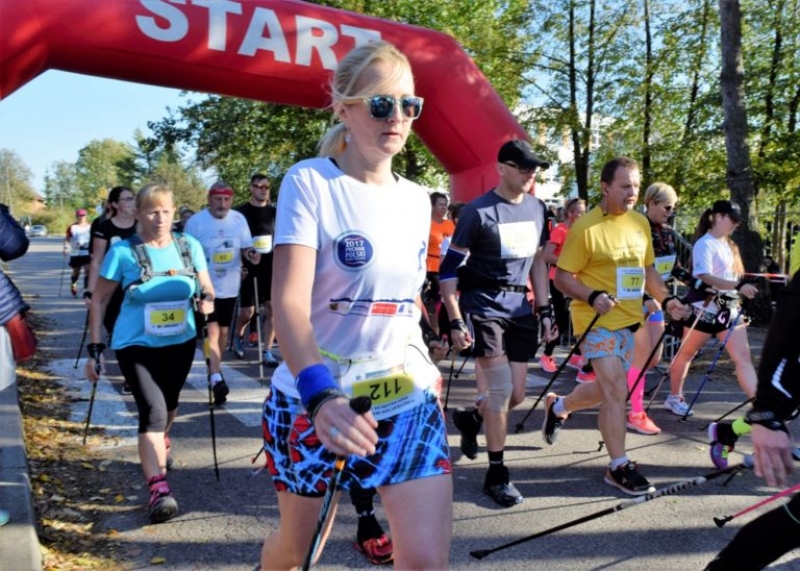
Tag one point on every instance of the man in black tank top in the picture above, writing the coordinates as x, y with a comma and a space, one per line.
260, 215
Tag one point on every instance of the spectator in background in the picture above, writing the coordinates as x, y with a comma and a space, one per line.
442, 228
76, 246
13, 244
184, 213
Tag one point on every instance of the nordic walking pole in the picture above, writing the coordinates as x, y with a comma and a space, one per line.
521, 425
678, 352
720, 521
711, 368
360, 405
83, 339
91, 406
731, 411
258, 331
203, 331
97, 368
669, 490
450, 377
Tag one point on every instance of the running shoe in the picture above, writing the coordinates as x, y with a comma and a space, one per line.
548, 364
677, 404
628, 479
642, 423
4, 517
270, 360
719, 448
552, 424
238, 347
377, 550
220, 390
253, 339
585, 377
162, 505
126, 388
576, 362
498, 487
74, 290
468, 426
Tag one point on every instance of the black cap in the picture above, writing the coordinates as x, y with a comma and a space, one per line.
731, 209
521, 154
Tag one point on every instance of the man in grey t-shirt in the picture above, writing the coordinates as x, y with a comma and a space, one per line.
504, 232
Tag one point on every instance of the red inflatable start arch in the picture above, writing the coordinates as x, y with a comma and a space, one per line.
281, 51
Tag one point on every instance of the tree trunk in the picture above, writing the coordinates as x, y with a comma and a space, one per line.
740, 173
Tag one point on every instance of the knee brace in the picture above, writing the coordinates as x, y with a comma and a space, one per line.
499, 389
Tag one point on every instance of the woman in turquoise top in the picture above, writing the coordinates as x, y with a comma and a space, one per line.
154, 335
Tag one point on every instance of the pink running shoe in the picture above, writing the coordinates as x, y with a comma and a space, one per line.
548, 364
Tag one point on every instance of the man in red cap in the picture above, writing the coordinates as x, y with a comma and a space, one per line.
76, 246
226, 239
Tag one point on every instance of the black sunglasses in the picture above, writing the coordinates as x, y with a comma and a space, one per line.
522, 170
261, 186
382, 106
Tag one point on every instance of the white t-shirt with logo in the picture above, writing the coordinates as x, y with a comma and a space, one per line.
223, 241
371, 251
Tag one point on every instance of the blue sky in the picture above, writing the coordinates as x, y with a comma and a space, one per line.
52, 117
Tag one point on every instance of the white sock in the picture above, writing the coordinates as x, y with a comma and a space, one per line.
617, 462
215, 378
558, 407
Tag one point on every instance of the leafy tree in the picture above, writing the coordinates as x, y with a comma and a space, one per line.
101, 165
15, 187
61, 185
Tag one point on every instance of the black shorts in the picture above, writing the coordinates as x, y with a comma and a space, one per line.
156, 376
247, 292
516, 338
79, 261
223, 311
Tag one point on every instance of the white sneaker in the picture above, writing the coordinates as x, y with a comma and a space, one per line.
677, 404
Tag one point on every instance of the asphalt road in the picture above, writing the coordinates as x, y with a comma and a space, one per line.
222, 524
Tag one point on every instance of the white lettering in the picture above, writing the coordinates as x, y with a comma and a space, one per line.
168, 23
361, 35
218, 11
178, 24
275, 42
307, 41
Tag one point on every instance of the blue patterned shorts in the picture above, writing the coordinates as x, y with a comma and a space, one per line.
601, 342
410, 445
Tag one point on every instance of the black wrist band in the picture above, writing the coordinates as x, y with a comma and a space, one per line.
767, 419
739, 285
321, 398
667, 299
95, 350
458, 324
594, 295
87, 295
544, 311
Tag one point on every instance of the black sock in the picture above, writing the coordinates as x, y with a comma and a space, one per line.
725, 433
368, 526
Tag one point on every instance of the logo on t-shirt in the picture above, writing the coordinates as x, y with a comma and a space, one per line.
354, 251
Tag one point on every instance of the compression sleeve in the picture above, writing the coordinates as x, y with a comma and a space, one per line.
449, 266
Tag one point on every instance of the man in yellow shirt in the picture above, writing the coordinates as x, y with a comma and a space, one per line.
605, 267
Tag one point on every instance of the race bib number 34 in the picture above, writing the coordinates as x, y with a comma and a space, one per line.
165, 318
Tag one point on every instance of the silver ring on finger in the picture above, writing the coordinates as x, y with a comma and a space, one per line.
334, 432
